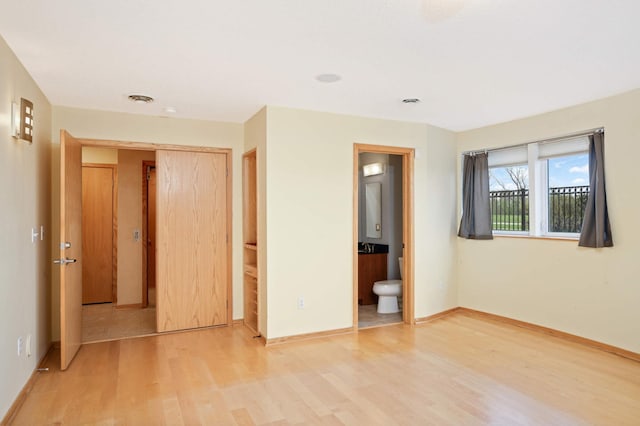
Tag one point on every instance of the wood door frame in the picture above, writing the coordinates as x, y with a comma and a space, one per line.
408, 296
147, 146
114, 234
145, 231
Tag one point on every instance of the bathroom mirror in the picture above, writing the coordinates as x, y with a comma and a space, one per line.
373, 218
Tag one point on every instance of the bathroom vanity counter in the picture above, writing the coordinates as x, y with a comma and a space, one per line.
372, 267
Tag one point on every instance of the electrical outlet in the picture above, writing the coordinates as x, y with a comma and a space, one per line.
19, 345
301, 302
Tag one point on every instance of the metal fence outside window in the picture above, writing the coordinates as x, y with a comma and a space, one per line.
566, 208
510, 209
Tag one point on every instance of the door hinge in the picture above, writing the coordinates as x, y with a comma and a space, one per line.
227, 172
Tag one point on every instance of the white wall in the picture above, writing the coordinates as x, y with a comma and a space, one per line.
138, 128
309, 216
24, 266
592, 293
98, 155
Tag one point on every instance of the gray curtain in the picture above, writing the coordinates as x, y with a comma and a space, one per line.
596, 230
476, 211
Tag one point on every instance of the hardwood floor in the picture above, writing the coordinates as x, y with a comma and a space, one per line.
456, 370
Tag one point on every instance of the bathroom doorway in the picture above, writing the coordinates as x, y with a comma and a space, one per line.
383, 236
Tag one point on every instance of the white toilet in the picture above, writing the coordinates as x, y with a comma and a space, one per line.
388, 292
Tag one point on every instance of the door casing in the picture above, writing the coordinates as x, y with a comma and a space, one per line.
408, 297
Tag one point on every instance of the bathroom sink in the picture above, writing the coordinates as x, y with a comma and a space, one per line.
374, 248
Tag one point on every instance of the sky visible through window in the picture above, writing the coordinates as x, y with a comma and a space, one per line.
570, 170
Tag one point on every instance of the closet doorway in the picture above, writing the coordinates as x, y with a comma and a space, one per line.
193, 250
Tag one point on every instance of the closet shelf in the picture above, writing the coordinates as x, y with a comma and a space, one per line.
250, 233
251, 270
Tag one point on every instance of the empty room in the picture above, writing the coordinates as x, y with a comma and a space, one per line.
285, 212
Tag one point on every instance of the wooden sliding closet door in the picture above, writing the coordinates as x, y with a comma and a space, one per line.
191, 232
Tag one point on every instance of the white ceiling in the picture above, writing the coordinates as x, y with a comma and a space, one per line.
471, 62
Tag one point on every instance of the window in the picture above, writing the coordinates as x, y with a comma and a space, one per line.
540, 189
568, 191
509, 197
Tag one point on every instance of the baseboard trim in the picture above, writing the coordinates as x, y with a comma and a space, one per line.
237, 322
552, 332
26, 389
307, 336
429, 318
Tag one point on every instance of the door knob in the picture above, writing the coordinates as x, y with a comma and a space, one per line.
64, 261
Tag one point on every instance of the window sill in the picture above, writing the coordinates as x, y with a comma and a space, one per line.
531, 237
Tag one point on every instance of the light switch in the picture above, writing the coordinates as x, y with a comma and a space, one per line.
136, 235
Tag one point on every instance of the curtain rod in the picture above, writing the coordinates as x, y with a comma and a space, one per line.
554, 139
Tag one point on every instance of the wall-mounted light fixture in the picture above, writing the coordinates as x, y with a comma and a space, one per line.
373, 169
15, 120
22, 120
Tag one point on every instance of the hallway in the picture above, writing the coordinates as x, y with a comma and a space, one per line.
105, 322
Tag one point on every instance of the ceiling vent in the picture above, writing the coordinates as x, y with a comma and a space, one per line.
140, 99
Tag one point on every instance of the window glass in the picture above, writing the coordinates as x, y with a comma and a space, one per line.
509, 197
568, 191
555, 205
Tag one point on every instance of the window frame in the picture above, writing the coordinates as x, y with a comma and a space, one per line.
537, 165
